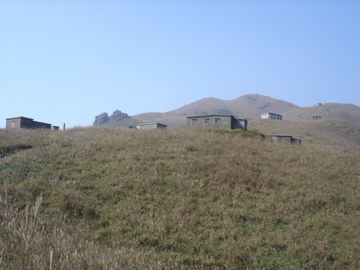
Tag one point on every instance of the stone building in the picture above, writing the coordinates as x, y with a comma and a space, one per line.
25, 122
285, 139
271, 116
151, 126
316, 117
216, 121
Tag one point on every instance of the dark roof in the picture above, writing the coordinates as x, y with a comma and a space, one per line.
215, 115
152, 123
272, 113
43, 123
32, 119
279, 136
210, 115
283, 136
19, 118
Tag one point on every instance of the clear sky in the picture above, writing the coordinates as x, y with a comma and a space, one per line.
67, 61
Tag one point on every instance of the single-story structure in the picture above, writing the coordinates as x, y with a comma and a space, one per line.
25, 122
284, 138
316, 117
216, 121
271, 116
152, 126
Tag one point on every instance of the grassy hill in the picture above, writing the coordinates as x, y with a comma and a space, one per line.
103, 198
251, 106
327, 111
329, 131
248, 106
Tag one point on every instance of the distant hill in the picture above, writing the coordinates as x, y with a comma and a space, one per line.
251, 106
248, 106
327, 111
338, 121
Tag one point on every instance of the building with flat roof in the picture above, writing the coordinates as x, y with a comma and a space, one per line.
25, 122
316, 117
284, 138
151, 126
271, 116
216, 121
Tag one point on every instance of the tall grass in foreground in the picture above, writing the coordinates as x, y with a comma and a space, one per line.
27, 244
118, 199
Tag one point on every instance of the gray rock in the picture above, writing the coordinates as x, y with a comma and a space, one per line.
101, 119
118, 116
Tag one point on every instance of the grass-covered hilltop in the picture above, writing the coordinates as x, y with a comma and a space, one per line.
102, 198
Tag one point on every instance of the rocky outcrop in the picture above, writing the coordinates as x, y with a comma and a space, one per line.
101, 119
116, 119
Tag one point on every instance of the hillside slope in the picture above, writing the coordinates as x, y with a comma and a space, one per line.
327, 111
333, 132
251, 107
247, 106
103, 198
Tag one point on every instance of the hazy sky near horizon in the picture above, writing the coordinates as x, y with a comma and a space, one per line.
67, 61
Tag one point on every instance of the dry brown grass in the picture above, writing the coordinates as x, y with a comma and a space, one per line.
182, 199
318, 132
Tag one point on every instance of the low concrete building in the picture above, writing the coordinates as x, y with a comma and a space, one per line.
152, 126
216, 121
271, 116
25, 122
284, 138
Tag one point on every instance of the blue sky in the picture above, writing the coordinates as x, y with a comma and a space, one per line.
67, 61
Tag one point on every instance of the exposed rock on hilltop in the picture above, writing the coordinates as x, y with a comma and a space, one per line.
118, 118
249, 106
101, 119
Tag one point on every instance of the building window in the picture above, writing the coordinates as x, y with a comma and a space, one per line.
193, 123
13, 124
206, 122
217, 121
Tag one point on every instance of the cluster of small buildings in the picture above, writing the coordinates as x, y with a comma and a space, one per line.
197, 121
224, 121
